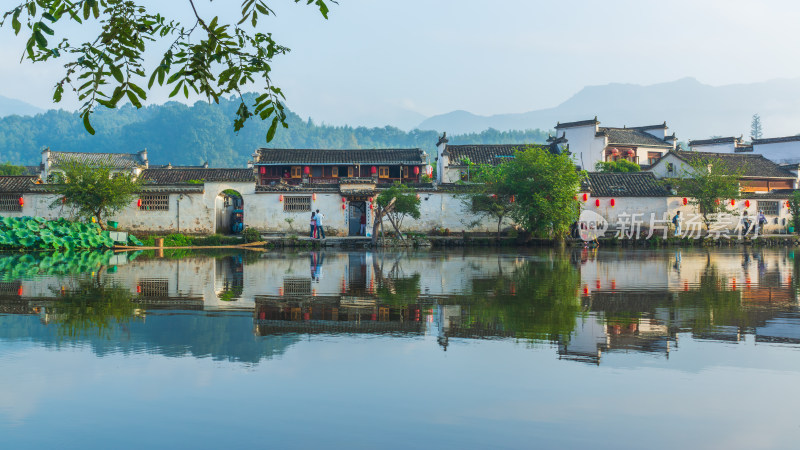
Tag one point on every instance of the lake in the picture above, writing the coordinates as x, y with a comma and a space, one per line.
609, 348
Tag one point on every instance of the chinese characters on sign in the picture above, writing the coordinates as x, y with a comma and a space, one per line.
690, 226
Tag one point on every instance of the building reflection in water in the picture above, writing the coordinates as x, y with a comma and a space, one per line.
586, 303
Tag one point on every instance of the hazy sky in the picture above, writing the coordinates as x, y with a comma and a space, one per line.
375, 60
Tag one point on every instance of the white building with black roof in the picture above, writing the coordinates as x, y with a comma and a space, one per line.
590, 143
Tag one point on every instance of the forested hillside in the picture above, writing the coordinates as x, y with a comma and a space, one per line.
185, 135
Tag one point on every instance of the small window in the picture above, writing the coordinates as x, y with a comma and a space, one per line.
153, 287
10, 202
296, 286
383, 172
297, 204
652, 157
297, 172
670, 167
154, 202
350, 171
335, 172
769, 208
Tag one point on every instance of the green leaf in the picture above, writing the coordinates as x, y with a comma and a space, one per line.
272, 129
135, 101
117, 73
86, 123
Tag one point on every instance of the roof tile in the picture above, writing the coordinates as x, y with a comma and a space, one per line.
404, 156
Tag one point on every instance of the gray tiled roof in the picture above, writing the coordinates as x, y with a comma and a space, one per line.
115, 160
754, 165
489, 154
16, 183
776, 140
579, 123
632, 137
714, 141
302, 156
631, 184
177, 176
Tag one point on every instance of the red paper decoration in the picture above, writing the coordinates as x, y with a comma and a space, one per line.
263, 170
747, 203
585, 196
416, 170
597, 202
373, 170
613, 203
139, 203
280, 198
685, 201
314, 196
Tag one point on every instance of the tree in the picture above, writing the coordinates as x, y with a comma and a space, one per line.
490, 195
794, 207
209, 57
545, 187
622, 166
94, 190
755, 127
8, 169
707, 183
404, 202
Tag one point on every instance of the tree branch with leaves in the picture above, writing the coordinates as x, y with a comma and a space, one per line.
708, 183
208, 57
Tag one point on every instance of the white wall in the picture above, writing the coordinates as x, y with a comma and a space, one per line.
660, 168
783, 152
586, 148
729, 147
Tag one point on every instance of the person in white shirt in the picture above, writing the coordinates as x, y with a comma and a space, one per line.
320, 230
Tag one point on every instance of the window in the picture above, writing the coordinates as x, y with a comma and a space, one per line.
154, 202
670, 167
297, 172
405, 172
296, 286
297, 204
769, 208
10, 202
383, 172
335, 172
652, 157
153, 287
350, 171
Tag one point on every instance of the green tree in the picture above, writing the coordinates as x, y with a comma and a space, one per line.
210, 57
756, 130
8, 169
93, 307
94, 190
794, 207
490, 196
708, 182
406, 203
545, 187
622, 166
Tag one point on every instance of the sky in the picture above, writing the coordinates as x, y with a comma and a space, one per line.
377, 61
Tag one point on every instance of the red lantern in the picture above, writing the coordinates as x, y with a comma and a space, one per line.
344, 199
314, 196
585, 196
512, 199
788, 206
613, 203
370, 199
139, 203
263, 170
21, 201
597, 202
747, 203
733, 202
138, 289
716, 201
416, 170
344, 206
371, 206
280, 198
306, 170
373, 170
19, 291
63, 200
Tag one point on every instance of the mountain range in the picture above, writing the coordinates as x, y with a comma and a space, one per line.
11, 106
692, 110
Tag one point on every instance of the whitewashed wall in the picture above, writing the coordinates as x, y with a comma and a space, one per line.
728, 147
779, 151
586, 148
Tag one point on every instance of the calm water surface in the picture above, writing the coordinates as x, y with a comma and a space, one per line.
457, 349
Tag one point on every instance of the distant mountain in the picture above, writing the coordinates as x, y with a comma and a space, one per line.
691, 109
11, 106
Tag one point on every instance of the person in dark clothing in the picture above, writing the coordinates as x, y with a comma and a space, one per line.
313, 225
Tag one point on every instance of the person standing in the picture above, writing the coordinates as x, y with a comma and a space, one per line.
677, 222
762, 220
320, 230
313, 225
363, 224
745, 223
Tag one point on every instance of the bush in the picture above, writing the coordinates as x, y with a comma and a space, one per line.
251, 235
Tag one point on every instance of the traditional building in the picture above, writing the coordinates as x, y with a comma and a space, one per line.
721, 145
52, 162
453, 161
760, 174
590, 143
314, 166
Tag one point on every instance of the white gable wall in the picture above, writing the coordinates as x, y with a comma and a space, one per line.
585, 146
781, 152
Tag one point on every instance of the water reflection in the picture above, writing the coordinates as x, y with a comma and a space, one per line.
249, 307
